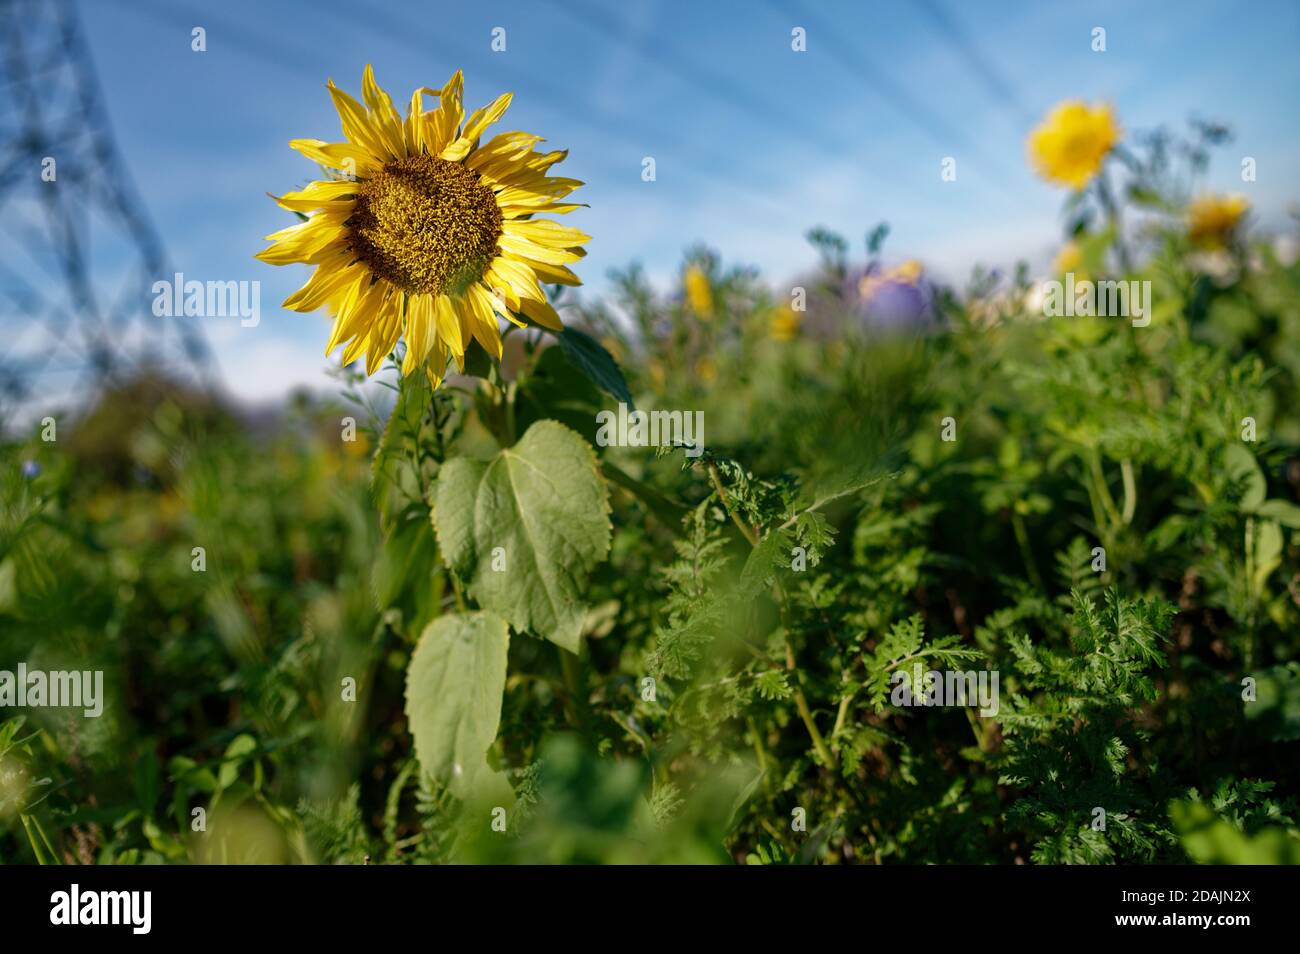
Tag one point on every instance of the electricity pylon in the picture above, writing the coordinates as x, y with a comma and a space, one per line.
78, 253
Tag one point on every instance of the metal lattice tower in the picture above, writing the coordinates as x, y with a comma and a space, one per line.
78, 254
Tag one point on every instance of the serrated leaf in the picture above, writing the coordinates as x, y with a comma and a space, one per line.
544, 504
453, 697
590, 357
760, 567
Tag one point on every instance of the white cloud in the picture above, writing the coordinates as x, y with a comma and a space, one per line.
259, 368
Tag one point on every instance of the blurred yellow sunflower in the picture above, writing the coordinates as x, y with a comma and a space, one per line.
784, 325
1212, 219
1069, 146
698, 292
1068, 259
426, 232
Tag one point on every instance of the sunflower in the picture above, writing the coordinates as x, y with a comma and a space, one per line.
1212, 220
1068, 259
1069, 146
426, 232
698, 292
784, 325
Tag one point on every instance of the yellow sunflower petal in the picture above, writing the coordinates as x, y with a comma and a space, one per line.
481, 119
436, 365
457, 150
477, 306
445, 120
347, 157
383, 116
387, 328
502, 150
357, 126
500, 297
515, 275
330, 276
548, 233
355, 310
554, 274
420, 332
519, 248
553, 189
448, 325
330, 194
305, 244
517, 173
542, 313
320, 222
541, 161
523, 212
501, 288
415, 125
356, 348
325, 189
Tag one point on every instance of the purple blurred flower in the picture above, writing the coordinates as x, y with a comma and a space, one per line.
31, 469
897, 297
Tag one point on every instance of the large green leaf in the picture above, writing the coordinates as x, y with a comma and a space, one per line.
545, 505
453, 698
590, 357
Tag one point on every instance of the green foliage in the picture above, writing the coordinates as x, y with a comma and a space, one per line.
633, 655
1212, 840
336, 830
1069, 737
591, 358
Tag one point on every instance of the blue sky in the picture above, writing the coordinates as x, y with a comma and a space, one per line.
754, 144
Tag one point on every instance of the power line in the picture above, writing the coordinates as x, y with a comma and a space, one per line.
997, 86
606, 123
893, 94
56, 113
709, 82
609, 125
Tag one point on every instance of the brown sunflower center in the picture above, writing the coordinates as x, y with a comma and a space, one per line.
426, 225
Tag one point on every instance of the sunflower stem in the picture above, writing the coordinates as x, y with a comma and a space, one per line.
509, 398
